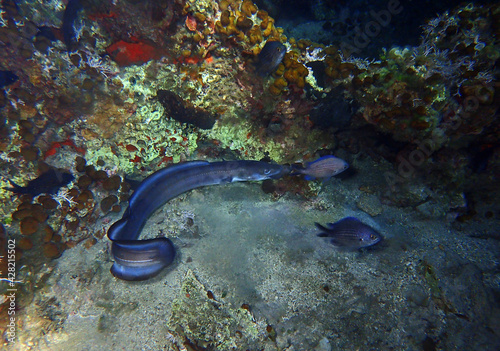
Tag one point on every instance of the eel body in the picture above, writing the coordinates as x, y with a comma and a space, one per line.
142, 259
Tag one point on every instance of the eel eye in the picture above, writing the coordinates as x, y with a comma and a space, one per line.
267, 171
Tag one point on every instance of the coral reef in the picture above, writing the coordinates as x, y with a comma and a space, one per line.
140, 85
434, 98
412, 96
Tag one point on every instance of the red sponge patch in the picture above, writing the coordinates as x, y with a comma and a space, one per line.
126, 54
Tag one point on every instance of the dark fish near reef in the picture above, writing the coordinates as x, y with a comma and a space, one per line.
7, 78
324, 167
70, 16
350, 233
46, 32
480, 156
183, 110
269, 58
47, 183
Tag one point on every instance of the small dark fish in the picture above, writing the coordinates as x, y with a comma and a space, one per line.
134, 184
269, 58
350, 233
7, 78
324, 167
480, 157
47, 183
70, 15
46, 32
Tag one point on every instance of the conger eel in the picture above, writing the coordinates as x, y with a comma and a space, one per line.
142, 259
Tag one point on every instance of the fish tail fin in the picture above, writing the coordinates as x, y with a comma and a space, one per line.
15, 188
296, 170
324, 230
299, 169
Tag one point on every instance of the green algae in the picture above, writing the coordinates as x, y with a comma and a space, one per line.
155, 137
143, 81
241, 135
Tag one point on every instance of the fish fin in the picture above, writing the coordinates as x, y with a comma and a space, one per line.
296, 169
319, 160
134, 184
15, 188
58, 174
343, 220
319, 226
352, 220
337, 243
324, 230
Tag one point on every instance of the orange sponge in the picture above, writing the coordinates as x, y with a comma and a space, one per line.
248, 8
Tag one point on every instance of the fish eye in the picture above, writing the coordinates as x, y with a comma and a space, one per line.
267, 171
373, 237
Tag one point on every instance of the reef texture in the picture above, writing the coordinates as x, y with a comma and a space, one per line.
200, 320
124, 88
